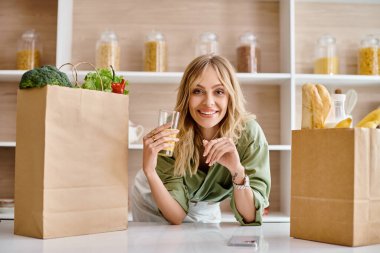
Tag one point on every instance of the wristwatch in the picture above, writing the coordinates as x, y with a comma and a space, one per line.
243, 186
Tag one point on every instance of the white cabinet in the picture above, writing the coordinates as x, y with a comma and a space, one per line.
286, 32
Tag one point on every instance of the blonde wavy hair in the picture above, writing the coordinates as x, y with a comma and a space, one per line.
188, 148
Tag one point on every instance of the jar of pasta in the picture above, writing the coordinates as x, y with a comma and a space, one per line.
326, 60
368, 58
29, 51
207, 44
247, 54
108, 51
155, 52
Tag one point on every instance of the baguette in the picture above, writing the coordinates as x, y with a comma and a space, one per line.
316, 105
326, 106
307, 108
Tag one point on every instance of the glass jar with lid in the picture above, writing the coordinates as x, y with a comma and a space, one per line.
368, 58
247, 54
326, 59
108, 51
207, 44
29, 51
155, 52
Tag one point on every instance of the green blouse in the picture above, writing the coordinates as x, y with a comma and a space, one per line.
216, 185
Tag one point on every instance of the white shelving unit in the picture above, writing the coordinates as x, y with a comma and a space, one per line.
6, 215
11, 75
288, 81
7, 144
139, 77
338, 80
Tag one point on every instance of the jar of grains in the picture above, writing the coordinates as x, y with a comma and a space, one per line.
155, 52
368, 58
326, 60
247, 54
108, 51
207, 44
29, 51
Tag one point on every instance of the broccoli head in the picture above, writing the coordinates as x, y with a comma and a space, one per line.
40, 77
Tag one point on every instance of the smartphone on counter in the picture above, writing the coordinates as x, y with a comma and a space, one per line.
246, 241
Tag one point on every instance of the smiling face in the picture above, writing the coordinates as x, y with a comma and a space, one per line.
208, 102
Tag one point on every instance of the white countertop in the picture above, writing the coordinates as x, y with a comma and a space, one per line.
188, 237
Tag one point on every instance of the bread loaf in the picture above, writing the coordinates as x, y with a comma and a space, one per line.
326, 101
316, 104
307, 108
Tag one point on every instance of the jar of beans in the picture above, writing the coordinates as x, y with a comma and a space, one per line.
29, 51
247, 54
155, 52
368, 58
108, 51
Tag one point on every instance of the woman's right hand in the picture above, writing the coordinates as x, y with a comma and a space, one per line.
158, 139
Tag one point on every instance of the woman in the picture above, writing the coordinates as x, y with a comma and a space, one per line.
220, 152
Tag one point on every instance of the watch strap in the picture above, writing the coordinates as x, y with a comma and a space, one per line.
243, 186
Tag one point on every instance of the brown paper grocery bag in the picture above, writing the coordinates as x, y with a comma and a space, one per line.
335, 193
71, 162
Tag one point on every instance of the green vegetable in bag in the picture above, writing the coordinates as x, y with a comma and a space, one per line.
92, 82
39, 77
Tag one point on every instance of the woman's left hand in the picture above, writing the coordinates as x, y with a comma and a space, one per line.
222, 151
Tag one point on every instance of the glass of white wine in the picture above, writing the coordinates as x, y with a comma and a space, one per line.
168, 116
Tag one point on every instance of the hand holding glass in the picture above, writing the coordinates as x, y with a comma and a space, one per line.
167, 116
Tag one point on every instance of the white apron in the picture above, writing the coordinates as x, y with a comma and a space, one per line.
144, 209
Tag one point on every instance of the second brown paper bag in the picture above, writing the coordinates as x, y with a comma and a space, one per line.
336, 186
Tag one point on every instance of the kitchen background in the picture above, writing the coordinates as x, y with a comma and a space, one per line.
286, 33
